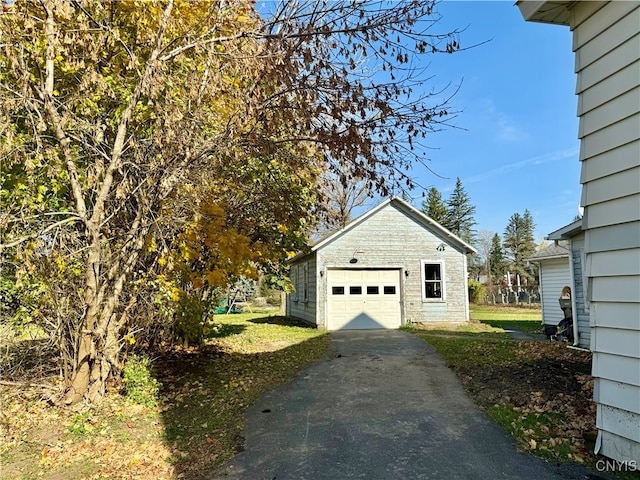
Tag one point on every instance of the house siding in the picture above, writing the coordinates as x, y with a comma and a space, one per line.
554, 276
606, 38
581, 315
297, 305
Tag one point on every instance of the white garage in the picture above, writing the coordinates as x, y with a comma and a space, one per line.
363, 299
389, 267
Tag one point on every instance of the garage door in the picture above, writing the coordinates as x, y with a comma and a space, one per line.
359, 299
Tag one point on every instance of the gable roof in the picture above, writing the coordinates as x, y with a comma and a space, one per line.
422, 219
555, 250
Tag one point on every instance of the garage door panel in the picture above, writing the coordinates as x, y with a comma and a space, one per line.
363, 299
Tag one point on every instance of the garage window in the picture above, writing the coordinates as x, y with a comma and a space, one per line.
337, 290
373, 290
355, 290
390, 290
433, 281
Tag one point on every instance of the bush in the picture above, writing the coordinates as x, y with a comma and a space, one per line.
141, 387
477, 292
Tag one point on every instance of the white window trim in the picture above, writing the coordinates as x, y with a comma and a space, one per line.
443, 299
295, 280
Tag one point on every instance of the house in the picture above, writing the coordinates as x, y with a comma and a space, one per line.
606, 42
391, 266
574, 236
554, 276
561, 266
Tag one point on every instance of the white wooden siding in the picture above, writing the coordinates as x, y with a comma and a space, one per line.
620, 184
554, 276
609, 340
613, 237
615, 315
611, 87
620, 262
297, 306
607, 65
610, 113
616, 368
616, 210
611, 137
621, 159
617, 395
587, 25
606, 40
621, 421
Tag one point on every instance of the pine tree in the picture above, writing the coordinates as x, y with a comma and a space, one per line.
519, 244
434, 207
496, 259
459, 218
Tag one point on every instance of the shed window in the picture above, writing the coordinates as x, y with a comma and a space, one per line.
337, 290
305, 283
433, 280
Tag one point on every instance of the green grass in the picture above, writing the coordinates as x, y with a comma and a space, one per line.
458, 351
528, 320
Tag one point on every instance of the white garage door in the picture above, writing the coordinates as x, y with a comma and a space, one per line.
359, 299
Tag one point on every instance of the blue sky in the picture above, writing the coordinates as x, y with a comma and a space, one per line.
519, 147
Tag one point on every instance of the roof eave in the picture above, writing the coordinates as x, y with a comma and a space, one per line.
546, 11
567, 232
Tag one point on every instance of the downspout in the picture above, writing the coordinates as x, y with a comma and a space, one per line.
574, 309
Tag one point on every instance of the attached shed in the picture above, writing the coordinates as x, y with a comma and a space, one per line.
554, 273
391, 266
606, 36
573, 235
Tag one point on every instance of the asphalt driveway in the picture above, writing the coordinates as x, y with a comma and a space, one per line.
381, 405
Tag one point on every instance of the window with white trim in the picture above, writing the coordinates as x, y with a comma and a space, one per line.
295, 279
305, 283
433, 284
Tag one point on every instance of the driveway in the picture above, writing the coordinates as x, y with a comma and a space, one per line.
381, 405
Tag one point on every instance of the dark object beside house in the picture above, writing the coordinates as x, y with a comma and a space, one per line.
563, 332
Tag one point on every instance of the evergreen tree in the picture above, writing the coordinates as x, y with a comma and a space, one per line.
496, 259
459, 218
434, 207
519, 244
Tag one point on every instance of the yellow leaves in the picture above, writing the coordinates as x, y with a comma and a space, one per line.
533, 444
282, 228
175, 294
129, 338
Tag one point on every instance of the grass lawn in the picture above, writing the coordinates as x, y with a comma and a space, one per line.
195, 426
526, 319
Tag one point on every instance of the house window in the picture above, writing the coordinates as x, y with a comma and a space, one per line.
433, 281
305, 283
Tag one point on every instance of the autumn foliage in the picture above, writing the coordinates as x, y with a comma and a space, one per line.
155, 151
